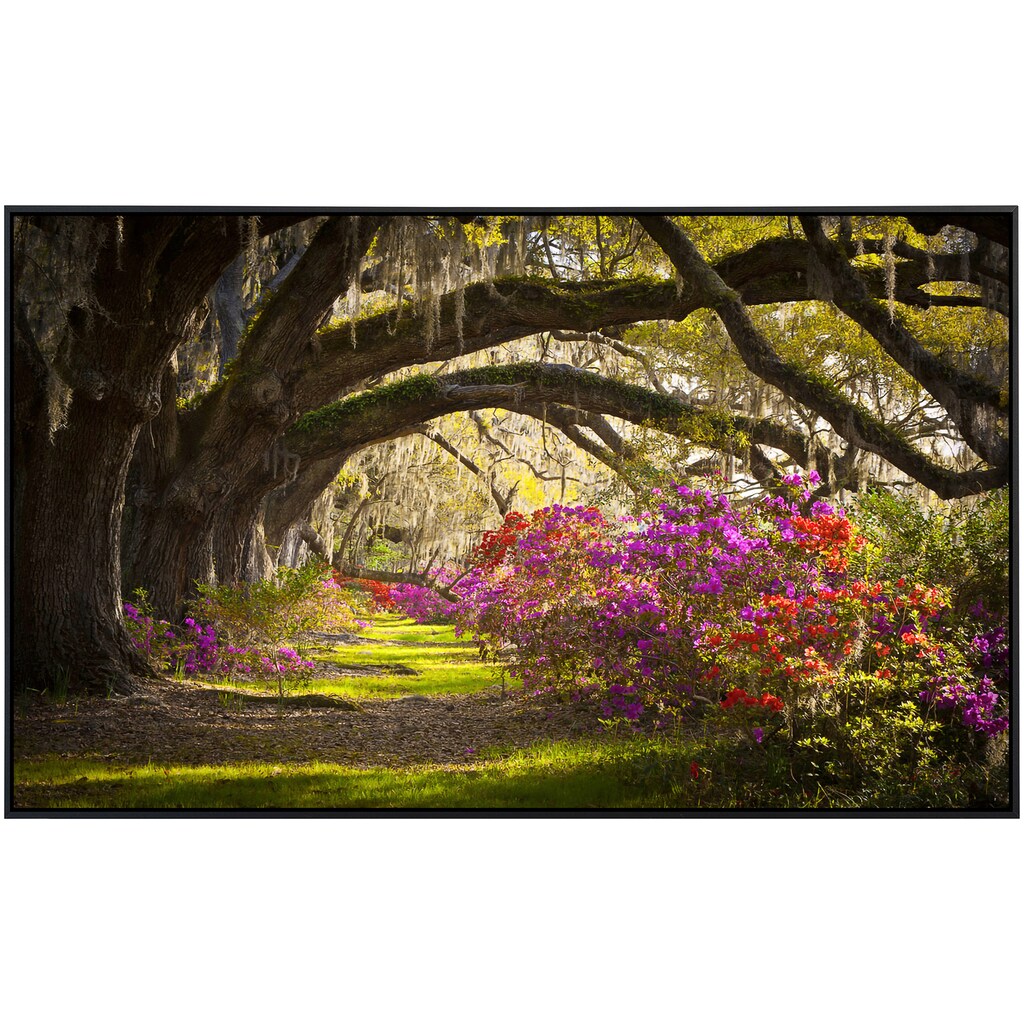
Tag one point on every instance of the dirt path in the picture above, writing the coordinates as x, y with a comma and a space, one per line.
187, 723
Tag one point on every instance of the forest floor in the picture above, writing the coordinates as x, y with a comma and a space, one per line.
399, 697
193, 724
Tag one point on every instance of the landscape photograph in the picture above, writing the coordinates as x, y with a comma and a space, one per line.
631, 511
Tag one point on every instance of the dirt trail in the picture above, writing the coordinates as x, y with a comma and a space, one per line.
188, 723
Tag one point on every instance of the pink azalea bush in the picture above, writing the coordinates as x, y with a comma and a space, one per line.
768, 618
426, 604
241, 631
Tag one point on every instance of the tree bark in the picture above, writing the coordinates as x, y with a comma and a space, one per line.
148, 278
236, 427
68, 619
227, 305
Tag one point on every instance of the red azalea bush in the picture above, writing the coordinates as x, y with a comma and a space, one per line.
377, 595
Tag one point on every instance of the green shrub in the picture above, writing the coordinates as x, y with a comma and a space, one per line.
287, 606
963, 546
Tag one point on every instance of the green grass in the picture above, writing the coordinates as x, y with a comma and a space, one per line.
453, 668
626, 772
582, 774
444, 665
405, 630
440, 679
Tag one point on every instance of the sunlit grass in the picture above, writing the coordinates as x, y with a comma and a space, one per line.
566, 775
406, 630
630, 772
444, 665
444, 679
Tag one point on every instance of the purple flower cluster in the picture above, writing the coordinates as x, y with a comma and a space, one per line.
194, 649
201, 650
976, 702
994, 651
424, 604
287, 661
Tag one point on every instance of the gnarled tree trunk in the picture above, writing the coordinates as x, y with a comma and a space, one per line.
67, 613
142, 282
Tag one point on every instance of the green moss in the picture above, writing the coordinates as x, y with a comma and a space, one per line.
411, 389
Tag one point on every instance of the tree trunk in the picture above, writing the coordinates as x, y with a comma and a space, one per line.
227, 305
239, 544
236, 429
131, 300
67, 614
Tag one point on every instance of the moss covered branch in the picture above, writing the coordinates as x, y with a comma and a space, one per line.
847, 418
973, 404
355, 422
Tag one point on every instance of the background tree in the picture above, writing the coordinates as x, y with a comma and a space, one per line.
853, 345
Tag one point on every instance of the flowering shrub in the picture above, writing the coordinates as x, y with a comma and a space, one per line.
494, 545
293, 602
652, 614
154, 637
191, 649
539, 590
766, 617
377, 594
424, 604
963, 547
246, 626
975, 702
981, 653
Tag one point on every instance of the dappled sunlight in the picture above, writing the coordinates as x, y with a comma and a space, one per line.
543, 781
521, 510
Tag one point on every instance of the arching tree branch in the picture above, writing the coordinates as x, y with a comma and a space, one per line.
357, 421
848, 419
972, 404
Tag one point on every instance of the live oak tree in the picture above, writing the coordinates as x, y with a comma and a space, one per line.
109, 310
101, 305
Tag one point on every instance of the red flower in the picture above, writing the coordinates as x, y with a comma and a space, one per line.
694, 770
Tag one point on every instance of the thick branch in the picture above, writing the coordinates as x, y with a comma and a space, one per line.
848, 419
234, 426
313, 540
998, 227
356, 422
972, 404
419, 579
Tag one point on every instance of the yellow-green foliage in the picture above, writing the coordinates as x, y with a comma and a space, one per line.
271, 611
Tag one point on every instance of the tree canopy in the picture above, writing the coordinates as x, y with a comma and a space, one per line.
197, 396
